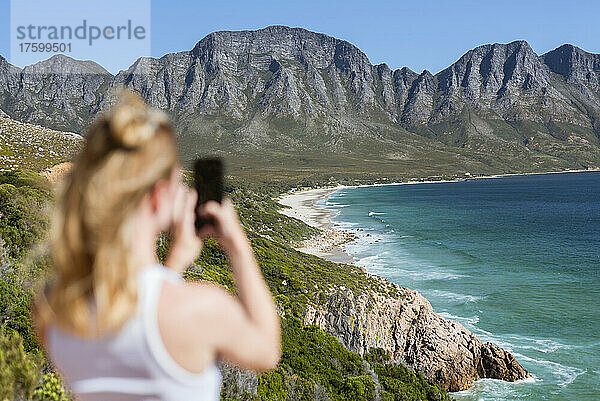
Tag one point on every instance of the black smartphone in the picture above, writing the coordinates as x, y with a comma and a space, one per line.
208, 177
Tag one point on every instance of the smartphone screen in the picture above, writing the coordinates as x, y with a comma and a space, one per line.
208, 176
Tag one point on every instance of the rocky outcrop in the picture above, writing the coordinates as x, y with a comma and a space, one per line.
444, 351
238, 383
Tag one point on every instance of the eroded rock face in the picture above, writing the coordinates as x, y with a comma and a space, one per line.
59, 92
444, 351
575, 65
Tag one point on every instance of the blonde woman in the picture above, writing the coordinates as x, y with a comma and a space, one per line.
117, 324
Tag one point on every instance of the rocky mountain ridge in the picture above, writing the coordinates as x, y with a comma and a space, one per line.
294, 90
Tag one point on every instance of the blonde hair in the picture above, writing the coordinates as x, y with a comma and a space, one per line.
127, 151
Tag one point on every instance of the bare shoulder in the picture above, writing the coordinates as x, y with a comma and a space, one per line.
191, 321
196, 300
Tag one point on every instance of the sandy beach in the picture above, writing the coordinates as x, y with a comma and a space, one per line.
330, 243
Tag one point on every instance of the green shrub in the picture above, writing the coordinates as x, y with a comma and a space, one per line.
398, 383
23, 211
15, 301
19, 371
359, 388
51, 389
272, 386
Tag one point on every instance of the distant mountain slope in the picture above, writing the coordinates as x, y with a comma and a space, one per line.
61, 100
284, 95
32, 147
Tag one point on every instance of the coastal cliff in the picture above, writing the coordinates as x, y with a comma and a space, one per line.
444, 351
398, 320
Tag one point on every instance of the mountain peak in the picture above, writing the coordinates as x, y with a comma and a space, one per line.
490, 70
62, 64
574, 64
279, 40
5, 65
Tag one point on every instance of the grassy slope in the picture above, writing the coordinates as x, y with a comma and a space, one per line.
314, 363
317, 148
32, 147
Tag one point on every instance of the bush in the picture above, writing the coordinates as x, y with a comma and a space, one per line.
359, 388
15, 315
23, 211
51, 389
19, 371
400, 384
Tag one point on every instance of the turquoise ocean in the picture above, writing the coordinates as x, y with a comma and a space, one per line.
515, 259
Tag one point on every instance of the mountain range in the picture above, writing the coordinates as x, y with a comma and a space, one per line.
289, 97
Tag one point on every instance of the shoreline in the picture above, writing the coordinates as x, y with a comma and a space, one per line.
327, 245
330, 243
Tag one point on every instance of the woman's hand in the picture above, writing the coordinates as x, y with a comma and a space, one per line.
226, 226
185, 243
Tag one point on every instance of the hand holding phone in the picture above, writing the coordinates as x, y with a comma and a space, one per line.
208, 177
226, 226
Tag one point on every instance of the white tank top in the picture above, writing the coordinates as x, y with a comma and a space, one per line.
133, 364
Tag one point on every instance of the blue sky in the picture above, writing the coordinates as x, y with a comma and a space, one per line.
418, 34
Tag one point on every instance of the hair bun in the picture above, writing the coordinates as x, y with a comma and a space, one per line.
132, 123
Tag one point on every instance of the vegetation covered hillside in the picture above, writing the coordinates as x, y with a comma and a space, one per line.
32, 147
314, 364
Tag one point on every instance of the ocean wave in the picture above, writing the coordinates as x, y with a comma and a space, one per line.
514, 342
336, 204
371, 213
369, 258
462, 298
511, 343
433, 275
468, 321
544, 345
485, 389
421, 275
347, 224
369, 262
564, 374
363, 246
